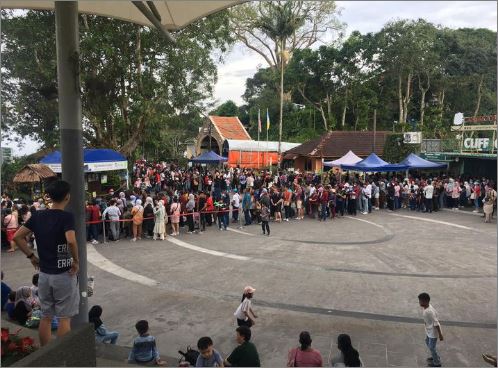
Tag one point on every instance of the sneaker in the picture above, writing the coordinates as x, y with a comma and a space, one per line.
190, 232
287, 220
429, 359
434, 365
268, 234
94, 242
134, 239
264, 233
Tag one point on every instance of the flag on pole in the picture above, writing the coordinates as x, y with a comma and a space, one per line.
267, 120
259, 121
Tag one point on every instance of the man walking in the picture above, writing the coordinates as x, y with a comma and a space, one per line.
432, 327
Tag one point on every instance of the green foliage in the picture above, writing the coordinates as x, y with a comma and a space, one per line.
133, 82
228, 108
395, 150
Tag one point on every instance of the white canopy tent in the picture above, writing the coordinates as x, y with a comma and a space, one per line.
255, 146
348, 159
165, 15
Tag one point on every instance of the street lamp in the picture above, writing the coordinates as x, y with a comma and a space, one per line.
394, 123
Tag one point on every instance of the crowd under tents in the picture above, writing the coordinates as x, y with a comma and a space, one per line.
209, 157
373, 163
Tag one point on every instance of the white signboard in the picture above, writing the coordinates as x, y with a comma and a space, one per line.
95, 166
412, 137
478, 144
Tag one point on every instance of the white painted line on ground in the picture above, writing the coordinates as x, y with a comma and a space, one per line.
368, 222
435, 221
239, 231
98, 260
183, 244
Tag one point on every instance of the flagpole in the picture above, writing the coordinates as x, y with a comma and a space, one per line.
259, 130
267, 129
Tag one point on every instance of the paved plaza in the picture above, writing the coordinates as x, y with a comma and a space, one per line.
359, 276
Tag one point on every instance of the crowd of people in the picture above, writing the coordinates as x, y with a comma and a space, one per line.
166, 198
167, 195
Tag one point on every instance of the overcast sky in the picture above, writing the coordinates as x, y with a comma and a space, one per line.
364, 16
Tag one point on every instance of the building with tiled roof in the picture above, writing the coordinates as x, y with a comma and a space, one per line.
218, 129
333, 145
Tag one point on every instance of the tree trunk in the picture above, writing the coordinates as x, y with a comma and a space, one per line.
423, 91
479, 95
343, 119
406, 99
132, 143
324, 118
329, 106
441, 104
400, 99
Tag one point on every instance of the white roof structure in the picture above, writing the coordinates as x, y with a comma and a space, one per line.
172, 14
262, 146
348, 159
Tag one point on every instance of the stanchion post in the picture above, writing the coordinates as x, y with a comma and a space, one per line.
103, 231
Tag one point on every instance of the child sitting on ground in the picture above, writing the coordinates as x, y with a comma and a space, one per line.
144, 348
208, 356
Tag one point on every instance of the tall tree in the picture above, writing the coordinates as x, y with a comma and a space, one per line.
132, 81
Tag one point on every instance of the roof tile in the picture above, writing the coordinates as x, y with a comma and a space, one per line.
336, 144
230, 127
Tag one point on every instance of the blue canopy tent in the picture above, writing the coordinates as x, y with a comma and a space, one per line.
415, 162
374, 163
209, 158
94, 160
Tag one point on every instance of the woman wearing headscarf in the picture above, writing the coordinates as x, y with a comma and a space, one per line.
175, 216
138, 217
102, 334
189, 207
347, 356
148, 217
22, 306
159, 223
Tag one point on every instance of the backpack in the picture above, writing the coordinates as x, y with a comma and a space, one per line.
190, 356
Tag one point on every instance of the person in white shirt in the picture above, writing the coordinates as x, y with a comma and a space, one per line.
432, 329
235, 205
114, 215
244, 313
428, 193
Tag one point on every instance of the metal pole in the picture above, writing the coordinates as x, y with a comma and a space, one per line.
67, 37
281, 103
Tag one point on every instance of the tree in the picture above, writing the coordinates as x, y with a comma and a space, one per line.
275, 29
133, 82
228, 108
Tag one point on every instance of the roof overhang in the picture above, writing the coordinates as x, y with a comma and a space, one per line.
173, 15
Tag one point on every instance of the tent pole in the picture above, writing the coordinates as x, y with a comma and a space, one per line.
67, 41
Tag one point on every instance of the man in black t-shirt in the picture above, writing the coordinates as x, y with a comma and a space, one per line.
57, 260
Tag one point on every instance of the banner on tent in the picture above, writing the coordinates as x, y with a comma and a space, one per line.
95, 166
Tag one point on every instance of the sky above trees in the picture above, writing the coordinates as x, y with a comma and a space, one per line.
363, 16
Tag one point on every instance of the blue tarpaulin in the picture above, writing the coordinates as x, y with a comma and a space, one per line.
89, 155
374, 163
209, 158
415, 162
95, 160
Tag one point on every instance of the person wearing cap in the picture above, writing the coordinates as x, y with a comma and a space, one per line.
244, 313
